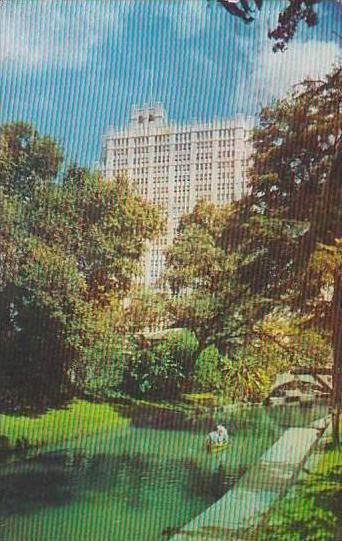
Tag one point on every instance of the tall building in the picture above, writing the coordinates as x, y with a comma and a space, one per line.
175, 166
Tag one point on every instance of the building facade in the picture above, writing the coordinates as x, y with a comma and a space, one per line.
176, 166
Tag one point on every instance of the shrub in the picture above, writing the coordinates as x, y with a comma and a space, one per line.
246, 378
207, 373
184, 347
104, 367
163, 368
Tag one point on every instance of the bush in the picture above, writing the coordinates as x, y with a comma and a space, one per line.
207, 373
246, 378
104, 367
184, 347
163, 368
34, 356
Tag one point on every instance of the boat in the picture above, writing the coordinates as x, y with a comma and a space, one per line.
216, 447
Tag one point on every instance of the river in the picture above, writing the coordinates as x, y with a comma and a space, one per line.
139, 482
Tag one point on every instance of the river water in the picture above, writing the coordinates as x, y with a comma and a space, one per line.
138, 482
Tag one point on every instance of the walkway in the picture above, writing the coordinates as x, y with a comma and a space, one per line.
257, 490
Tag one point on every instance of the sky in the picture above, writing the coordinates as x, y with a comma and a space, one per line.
73, 68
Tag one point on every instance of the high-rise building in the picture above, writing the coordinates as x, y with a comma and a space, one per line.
175, 166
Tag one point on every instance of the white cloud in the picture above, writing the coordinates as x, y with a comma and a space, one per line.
275, 73
36, 33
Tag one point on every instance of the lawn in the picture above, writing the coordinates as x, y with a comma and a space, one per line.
80, 418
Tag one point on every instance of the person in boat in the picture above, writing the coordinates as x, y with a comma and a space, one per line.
220, 435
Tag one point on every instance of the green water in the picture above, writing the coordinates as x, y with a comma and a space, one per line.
136, 483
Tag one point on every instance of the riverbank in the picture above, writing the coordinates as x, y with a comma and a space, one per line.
153, 474
78, 419
155, 458
85, 417
82, 418
312, 510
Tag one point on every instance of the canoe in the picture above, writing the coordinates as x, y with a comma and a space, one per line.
216, 447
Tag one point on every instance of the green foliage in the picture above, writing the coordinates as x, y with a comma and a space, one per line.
70, 253
34, 355
145, 308
104, 366
10, 219
202, 272
233, 267
297, 159
279, 343
26, 158
102, 225
162, 369
296, 202
285, 342
312, 512
297, 152
246, 377
207, 373
184, 345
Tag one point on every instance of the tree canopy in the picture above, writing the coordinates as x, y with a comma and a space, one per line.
288, 19
280, 247
70, 254
26, 158
295, 209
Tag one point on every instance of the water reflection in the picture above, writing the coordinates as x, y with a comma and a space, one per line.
233, 419
23, 492
57, 478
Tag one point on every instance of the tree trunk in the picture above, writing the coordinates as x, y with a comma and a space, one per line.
337, 363
336, 400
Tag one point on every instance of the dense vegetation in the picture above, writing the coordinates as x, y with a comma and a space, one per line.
70, 251
255, 285
239, 272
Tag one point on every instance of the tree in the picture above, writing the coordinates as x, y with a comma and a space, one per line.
288, 20
37, 305
34, 355
280, 247
70, 255
202, 270
10, 219
256, 336
293, 217
26, 158
100, 223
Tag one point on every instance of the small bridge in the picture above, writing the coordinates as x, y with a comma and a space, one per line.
318, 380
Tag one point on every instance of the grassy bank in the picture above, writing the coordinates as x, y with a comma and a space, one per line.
312, 511
79, 419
